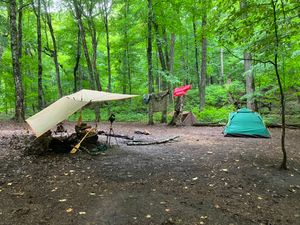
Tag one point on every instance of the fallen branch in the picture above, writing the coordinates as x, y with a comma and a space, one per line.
207, 124
115, 135
142, 132
152, 142
290, 126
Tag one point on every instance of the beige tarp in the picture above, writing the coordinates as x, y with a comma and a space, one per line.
66, 106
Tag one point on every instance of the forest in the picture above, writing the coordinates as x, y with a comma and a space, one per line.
233, 53
105, 164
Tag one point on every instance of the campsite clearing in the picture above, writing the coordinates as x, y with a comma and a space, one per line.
203, 178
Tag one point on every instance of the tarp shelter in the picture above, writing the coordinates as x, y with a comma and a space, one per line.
66, 106
246, 123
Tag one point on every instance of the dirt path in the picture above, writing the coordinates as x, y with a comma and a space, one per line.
203, 178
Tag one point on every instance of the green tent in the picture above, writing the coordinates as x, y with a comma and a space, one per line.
246, 123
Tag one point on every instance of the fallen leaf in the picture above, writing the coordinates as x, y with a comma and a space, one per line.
54, 189
69, 210
18, 193
195, 178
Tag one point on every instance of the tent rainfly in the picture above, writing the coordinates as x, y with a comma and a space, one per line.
246, 123
66, 106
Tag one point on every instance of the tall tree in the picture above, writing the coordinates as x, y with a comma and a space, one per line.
77, 61
198, 76
53, 52
37, 11
222, 66
90, 17
78, 16
248, 67
203, 61
127, 48
149, 58
163, 63
106, 25
15, 53
274, 4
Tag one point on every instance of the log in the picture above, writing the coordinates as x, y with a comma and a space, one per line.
208, 124
290, 126
152, 142
115, 135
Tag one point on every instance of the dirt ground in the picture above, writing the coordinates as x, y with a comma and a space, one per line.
202, 178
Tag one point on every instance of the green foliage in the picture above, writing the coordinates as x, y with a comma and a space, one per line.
213, 114
234, 29
216, 95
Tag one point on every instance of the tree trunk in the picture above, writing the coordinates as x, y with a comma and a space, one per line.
15, 53
95, 46
78, 15
108, 49
126, 58
282, 96
163, 66
203, 64
124, 74
128, 68
78, 54
20, 31
54, 52
248, 68
222, 66
171, 64
196, 55
171, 53
177, 117
149, 59
37, 11
165, 43
249, 80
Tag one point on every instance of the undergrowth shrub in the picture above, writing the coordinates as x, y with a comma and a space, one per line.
213, 114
